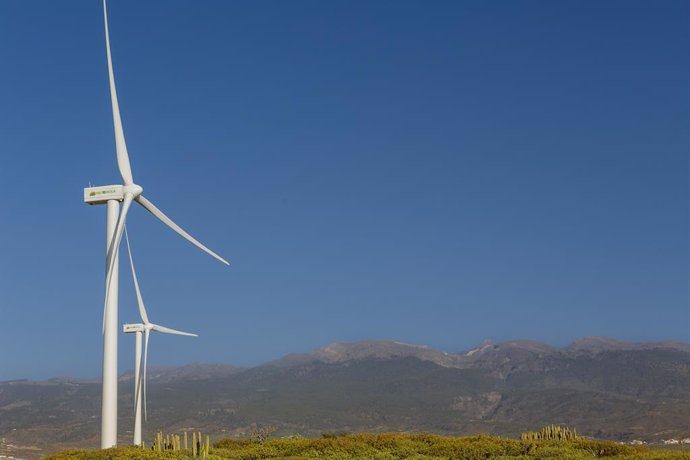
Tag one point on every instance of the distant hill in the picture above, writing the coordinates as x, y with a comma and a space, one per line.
194, 371
604, 387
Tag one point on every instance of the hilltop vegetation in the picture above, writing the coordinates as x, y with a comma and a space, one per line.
389, 446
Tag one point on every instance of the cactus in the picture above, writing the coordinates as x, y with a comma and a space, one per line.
173, 442
165, 442
550, 433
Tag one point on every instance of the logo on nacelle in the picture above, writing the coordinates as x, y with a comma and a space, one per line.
102, 192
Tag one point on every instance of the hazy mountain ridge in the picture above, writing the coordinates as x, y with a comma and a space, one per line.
604, 387
194, 371
486, 355
339, 352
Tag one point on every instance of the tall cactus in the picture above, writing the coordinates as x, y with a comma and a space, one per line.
200, 447
551, 433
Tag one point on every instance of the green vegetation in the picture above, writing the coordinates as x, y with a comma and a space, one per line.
391, 446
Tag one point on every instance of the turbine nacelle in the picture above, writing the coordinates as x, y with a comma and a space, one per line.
131, 328
105, 193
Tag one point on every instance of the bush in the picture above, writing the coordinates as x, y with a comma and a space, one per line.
120, 453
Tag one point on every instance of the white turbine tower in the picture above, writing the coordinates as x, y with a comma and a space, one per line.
145, 327
112, 195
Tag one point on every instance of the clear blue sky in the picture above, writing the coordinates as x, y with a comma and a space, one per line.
430, 172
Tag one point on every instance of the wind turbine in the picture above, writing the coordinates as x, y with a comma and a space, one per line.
112, 195
145, 327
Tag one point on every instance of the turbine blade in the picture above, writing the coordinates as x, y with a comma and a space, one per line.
167, 330
138, 387
150, 207
112, 250
120, 144
140, 300
146, 355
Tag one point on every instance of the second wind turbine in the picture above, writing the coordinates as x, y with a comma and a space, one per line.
141, 362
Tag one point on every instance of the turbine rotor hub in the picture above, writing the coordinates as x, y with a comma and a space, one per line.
134, 189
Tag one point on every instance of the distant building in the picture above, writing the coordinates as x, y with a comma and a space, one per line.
671, 441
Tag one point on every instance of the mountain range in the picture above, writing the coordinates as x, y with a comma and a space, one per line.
605, 388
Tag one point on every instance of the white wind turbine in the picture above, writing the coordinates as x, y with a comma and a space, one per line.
145, 327
112, 195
